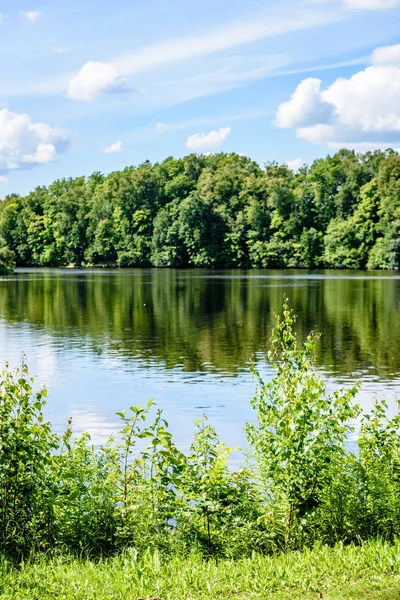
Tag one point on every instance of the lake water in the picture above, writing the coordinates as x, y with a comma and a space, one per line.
104, 340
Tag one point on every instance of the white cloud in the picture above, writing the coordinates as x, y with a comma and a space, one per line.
211, 119
24, 144
305, 107
363, 108
386, 55
3, 179
362, 4
235, 34
115, 147
31, 15
213, 139
295, 164
213, 76
93, 79
371, 4
3, 17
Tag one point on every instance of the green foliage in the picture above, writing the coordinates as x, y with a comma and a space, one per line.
26, 458
350, 242
300, 435
385, 254
310, 248
302, 484
379, 444
7, 258
85, 510
215, 211
370, 570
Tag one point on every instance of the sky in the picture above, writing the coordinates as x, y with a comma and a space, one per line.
94, 85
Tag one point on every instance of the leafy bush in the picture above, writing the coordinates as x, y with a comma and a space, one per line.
300, 435
302, 484
26, 466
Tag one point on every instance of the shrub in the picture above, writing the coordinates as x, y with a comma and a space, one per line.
301, 485
299, 438
27, 445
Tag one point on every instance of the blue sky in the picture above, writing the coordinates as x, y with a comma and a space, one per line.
95, 86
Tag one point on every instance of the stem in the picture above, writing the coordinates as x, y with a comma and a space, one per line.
208, 528
127, 452
289, 526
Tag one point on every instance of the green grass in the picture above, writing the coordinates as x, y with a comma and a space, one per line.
368, 571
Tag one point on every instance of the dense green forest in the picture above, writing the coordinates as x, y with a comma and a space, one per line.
220, 210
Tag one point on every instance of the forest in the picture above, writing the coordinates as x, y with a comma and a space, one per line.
221, 210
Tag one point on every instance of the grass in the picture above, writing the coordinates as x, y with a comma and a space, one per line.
368, 571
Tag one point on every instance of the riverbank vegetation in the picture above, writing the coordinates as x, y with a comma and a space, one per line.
301, 486
370, 570
222, 210
7, 258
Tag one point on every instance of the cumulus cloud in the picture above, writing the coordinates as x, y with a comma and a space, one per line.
24, 144
387, 55
213, 139
30, 15
363, 108
93, 79
371, 4
305, 107
295, 164
115, 147
3, 179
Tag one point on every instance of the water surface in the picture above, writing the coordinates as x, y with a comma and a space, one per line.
102, 340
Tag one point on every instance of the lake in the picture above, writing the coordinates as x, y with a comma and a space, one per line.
102, 340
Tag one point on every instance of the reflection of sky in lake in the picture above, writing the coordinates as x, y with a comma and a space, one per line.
113, 357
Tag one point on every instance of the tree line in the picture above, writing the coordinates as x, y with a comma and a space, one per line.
221, 210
